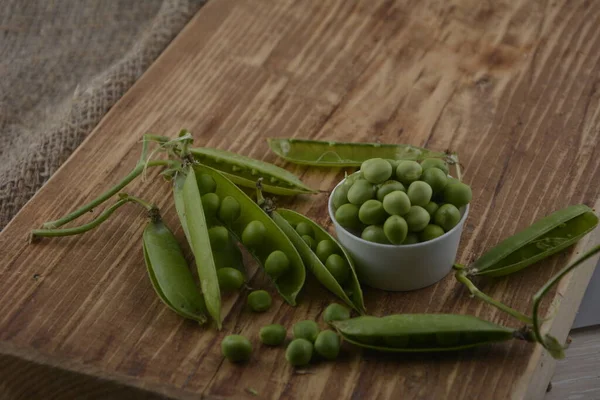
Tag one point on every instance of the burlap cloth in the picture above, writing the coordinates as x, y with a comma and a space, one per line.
63, 64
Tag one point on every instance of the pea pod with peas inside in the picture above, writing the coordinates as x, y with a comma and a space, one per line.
326, 250
245, 171
344, 154
259, 234
423, 332
545, 237
169, 273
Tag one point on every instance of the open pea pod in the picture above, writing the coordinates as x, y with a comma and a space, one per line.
288, 284
343, 154
351, 293
545, 237
423, 332
169, 273
245, 171
194, 222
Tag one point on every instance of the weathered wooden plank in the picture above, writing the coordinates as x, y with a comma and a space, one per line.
511, 86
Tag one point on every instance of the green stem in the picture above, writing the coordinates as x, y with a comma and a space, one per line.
82, 228
156, 138
137, 200
106, 195
537, 298
460, 276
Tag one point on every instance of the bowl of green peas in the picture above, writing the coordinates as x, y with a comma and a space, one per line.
401, 221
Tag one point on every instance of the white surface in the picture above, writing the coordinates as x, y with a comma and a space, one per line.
401, 267
589, 310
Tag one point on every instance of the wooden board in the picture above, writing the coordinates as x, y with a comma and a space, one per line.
511, 86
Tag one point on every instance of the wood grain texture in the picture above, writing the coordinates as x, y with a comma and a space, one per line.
578, 376
512, 86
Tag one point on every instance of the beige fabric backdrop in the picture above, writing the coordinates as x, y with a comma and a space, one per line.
63, 64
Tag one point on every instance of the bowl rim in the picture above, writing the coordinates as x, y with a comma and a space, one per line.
390, 246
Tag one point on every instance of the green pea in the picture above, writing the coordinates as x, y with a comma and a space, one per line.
371, 212
360, 192
230, 279
417, 219
394, 164
219, 238
447, 216
431, 208
430, 232
419, 193
389, 187
229, 210
304, 228
374, 233
277, 264
435, 178
299, 352
349, 181
327, 344
206, 183
309, 241
325, 248
376, 170
347, 216
236, 348
272, 335
437, 163
458, 194
395, 229
306, 329
396, 203
335, 312
408, 171
411, 238
338, 267
210, 204
259, 300
254, 234
340, 196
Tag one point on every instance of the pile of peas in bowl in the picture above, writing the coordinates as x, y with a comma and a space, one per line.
400, 202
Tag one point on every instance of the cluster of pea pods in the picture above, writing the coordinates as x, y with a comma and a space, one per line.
218, 216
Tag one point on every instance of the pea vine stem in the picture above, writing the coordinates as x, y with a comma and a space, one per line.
461, 276
549, 342
137, 171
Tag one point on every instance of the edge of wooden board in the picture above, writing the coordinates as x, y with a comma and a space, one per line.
541, 365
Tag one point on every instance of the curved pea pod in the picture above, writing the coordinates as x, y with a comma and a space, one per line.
545, 237
245, 171
342, 154
423, 332
194, 222
169, 272
284, 218
289, 284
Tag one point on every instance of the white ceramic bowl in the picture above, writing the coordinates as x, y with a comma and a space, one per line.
401, 267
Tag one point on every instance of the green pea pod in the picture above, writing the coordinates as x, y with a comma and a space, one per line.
545, 237
169, 273
289, 284
341, 154
283, 218
245, 171
200, 244
423, 332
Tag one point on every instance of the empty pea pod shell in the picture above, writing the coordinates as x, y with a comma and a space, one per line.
422, 332
342, 154
245, 171
169, 273
545, 237
289, 284
354, 299
195, 222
